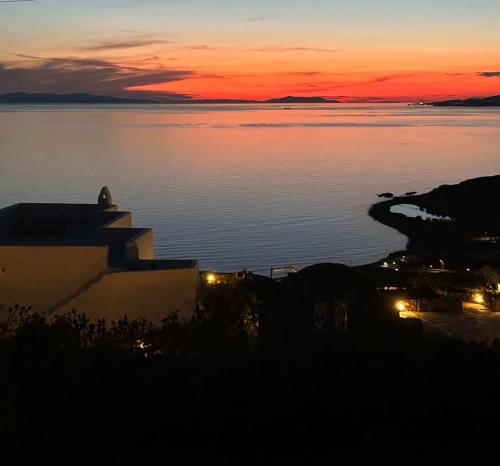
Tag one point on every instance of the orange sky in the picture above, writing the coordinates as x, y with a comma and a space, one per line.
351, 50
418, 85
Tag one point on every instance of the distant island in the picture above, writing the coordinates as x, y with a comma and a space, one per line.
301, 100
493, 101
85, 98
290, 99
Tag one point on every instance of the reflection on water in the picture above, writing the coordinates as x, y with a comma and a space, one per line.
414, 211
246, 186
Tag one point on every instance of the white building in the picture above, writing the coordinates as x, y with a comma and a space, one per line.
87, 257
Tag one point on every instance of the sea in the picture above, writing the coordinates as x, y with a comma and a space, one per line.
246, 186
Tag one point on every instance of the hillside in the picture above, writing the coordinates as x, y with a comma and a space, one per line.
493, 101
85, 98
300, 100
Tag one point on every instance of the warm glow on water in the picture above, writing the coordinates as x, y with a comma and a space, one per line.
246, 186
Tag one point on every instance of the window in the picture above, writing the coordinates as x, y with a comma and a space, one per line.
341, 314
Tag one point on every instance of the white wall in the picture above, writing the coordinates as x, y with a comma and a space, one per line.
150, 294
123, 221
140, 247
40, 276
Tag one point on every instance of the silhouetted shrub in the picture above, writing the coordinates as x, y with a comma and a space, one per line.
202, 392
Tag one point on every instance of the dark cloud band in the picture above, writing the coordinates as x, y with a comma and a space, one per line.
63, 75
489, 74
123, 44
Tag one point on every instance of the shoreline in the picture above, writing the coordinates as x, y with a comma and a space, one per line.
472, 206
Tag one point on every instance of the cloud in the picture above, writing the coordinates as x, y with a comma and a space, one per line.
382, 79
202, 47
292, 49
304, 73
334, 84
255, 19
489, 74
70, 74
128, 44
153, 58
265, 48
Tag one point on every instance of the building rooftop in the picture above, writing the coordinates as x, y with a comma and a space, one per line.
59, 224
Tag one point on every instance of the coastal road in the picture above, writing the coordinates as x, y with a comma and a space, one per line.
475, 324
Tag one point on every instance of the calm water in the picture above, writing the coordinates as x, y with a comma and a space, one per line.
246, 186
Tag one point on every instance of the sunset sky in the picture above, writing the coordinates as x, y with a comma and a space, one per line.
353, 50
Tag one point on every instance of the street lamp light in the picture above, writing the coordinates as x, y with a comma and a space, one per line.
211, 278
401, 305
478, 298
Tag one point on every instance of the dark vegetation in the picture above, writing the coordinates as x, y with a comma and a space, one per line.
262, 374
217, 390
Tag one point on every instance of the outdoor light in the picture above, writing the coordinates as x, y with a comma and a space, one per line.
211, 279
141, 344
478, 298
401, 306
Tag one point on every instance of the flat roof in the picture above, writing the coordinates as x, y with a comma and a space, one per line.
36, 223
42, 216
58, 224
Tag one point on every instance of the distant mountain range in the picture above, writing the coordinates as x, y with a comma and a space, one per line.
300, 100
493, 101
82, 98
26, 98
